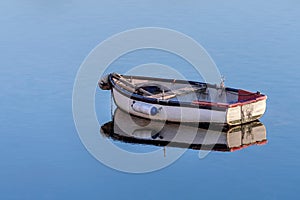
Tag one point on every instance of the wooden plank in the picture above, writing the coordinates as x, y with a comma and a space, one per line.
174, 93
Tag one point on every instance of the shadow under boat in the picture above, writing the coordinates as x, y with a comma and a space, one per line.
131, 129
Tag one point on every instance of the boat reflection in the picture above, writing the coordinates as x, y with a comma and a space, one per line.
135, 130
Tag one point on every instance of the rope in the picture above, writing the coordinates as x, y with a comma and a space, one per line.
111, 104
242, 115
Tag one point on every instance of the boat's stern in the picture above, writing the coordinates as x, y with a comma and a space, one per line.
247, 111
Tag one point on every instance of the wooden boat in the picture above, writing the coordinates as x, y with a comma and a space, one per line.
136, 130
183, 101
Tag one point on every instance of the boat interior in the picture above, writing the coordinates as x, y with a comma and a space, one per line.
183, 91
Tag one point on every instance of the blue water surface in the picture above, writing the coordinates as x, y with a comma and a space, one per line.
255, 44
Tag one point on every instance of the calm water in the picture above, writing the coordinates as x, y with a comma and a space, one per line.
255, 45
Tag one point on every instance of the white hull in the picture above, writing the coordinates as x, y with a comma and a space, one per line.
231, 116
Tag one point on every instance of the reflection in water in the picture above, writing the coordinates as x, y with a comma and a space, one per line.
135, 130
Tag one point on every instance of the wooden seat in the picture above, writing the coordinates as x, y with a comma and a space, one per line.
174, 93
